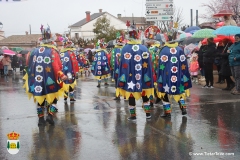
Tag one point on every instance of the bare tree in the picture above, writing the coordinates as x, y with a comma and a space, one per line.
178, 18
215, 6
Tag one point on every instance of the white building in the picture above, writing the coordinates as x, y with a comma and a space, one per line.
84, 28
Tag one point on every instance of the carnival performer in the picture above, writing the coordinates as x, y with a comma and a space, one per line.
154, 52
173, 77
100, 66
135, 79
44, 69
69, 68
115, 59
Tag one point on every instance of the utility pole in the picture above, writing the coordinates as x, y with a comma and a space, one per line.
30, 30
191, 13
196, 17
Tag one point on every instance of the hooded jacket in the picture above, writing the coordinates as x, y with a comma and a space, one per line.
234, 53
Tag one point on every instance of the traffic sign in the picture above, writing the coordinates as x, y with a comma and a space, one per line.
159, 12
159, 1
160, 18
158, 5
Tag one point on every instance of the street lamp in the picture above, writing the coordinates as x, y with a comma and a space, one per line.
1, 25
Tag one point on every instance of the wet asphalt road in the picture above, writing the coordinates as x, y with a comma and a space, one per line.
96, 127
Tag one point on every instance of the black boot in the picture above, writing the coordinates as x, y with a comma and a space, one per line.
98, 85
148, 116
41, 121
151, 104
183, 106
184, 111
117, 98
50, 119
166, 115
72, 100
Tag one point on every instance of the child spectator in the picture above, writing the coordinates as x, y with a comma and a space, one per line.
194, 67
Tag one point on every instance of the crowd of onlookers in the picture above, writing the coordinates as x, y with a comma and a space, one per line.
225, 56
9, 64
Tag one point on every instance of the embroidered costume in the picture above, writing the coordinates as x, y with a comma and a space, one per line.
173, 77
100, 66
115, 59
42, 75
83, 64
69, 68
135, 74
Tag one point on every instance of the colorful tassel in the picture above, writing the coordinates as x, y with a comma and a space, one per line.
52, 109
40, 112
132, 110
167, 108
147, 107
71, 95
182, 104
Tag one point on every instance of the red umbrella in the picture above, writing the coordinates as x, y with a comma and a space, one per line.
221, 38
8, 52
219, 24
223, 13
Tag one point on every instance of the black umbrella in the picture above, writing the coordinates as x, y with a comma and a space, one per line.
191, 40
24, 52
111, 44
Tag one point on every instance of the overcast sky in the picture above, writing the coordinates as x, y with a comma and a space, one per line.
17, 16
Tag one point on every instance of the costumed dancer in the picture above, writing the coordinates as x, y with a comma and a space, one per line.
69, 68
135, 79
100, 66
86, 65
115, 59
154, 50
173, 78
150, 34
42, 75
80, 63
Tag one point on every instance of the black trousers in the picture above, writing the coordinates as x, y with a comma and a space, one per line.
229, 81
132, 102
208, 68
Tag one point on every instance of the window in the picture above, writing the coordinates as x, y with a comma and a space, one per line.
76, 35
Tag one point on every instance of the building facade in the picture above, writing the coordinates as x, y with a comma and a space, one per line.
84, 28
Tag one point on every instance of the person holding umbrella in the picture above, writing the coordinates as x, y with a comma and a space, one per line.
6, 61
234, 62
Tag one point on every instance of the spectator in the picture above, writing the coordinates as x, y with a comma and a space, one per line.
15, 63
208, 60
225, 70
234, 62
200, 61
6, 63
228, 21
1, 66
22, 63
90, 56
194, 67
218, 61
